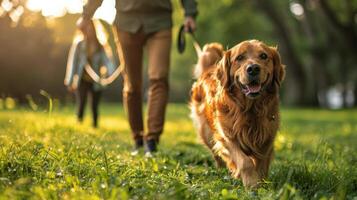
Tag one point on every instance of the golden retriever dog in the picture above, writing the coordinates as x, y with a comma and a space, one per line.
235, 106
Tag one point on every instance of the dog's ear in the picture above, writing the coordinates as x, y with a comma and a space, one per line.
223, 71
279, 68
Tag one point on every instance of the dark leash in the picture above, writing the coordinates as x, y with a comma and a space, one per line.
181, 41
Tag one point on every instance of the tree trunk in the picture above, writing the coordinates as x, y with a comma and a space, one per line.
296, 79
318, 55
347, 30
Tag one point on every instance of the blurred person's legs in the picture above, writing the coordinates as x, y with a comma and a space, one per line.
95, 98
158, 47
132, 47
81, 98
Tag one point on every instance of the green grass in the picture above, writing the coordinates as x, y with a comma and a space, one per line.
46, 156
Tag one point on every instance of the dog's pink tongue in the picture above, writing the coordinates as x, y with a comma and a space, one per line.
254, 88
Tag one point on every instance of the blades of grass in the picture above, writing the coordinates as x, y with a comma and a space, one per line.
50, 102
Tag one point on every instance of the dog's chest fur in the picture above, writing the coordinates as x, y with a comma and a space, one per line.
252, 126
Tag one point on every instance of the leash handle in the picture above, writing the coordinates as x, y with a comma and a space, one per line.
181, 41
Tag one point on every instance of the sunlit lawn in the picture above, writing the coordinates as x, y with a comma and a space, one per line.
50, 156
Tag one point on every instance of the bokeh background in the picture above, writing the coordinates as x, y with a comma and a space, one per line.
317, 40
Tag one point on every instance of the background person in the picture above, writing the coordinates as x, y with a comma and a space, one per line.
145, 23
87, 51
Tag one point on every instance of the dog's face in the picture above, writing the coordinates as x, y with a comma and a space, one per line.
253, 67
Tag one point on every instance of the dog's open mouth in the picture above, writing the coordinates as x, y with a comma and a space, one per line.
252, 89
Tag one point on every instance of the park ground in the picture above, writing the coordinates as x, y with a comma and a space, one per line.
49, 156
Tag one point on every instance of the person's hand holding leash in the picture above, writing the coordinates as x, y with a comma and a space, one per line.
190, 24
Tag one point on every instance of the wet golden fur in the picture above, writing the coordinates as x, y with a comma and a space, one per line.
238, 129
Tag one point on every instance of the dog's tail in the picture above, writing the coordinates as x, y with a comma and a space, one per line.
210, 55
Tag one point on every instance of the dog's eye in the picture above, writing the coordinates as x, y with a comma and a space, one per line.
263, 56
240, 58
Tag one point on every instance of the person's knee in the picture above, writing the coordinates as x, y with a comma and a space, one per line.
131, 88
159, 83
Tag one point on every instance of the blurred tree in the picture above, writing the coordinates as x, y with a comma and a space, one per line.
341, 17
24, 57
317, 40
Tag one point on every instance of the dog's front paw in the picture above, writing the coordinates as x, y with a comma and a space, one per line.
236, 174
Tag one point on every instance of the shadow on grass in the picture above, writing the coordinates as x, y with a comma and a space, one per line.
190, 153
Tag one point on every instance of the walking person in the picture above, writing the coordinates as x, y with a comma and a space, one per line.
145, 24
87, 51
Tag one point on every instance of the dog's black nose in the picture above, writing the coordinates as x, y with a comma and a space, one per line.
253, 69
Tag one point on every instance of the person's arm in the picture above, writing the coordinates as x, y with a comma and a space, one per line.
90, 8
191, 12
72, 64
88, 12
190, 7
